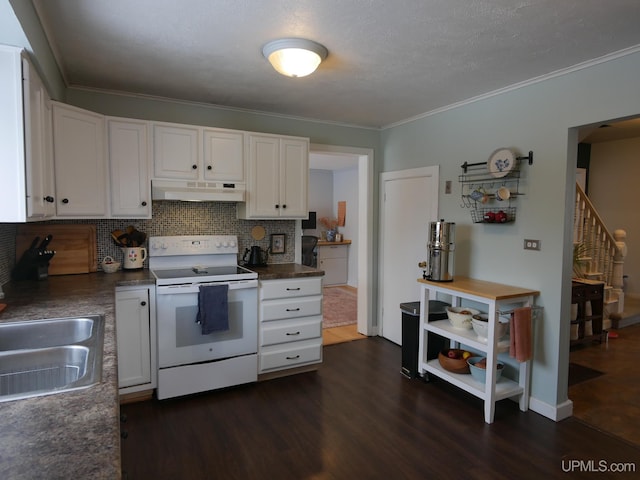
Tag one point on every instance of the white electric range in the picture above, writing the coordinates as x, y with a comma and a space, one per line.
188, 360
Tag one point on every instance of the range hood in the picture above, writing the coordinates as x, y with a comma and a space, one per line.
191, 191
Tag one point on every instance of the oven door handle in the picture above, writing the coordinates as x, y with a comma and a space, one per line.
195, 287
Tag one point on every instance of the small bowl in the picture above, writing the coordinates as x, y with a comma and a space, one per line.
453, 365
109, 265
480, 374
460, 317
480, 325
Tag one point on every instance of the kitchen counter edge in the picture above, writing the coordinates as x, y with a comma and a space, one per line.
74, 434
278, 271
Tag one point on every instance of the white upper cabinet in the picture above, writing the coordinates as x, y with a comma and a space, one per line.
176, 151
80, 162
223, 155
278, 177
129, 168
38, 146
26, 183
185, 152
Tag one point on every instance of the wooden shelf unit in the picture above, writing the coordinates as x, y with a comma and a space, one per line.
496, 297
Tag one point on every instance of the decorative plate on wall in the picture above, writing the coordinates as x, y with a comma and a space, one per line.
501, 162
258, 232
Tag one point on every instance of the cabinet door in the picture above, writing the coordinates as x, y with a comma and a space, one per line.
176, 152
294, 178
264, 164
133, 337
335, 270
79, 159
223, 155
38, 146
129, 167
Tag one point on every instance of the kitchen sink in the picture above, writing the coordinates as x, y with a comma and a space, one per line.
43, 357
51, 332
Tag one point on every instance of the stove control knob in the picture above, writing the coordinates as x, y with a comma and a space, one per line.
225, 244
232, 244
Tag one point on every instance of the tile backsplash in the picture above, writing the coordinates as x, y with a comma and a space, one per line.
170, 218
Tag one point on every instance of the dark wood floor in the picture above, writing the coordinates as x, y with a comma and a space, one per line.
357, 418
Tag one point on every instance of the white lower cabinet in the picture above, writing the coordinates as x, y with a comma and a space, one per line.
290, 324
136, 333
334, 261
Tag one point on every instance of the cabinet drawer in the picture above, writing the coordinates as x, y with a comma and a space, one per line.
296, 354
289, 288
592, 292
286, 331
332, 251
290, 308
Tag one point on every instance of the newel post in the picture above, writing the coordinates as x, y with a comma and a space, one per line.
618, 267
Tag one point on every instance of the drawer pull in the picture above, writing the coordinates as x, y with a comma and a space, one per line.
296, 333
293, 289
295, 357
293, 309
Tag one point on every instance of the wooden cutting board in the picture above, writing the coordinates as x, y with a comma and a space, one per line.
75, 246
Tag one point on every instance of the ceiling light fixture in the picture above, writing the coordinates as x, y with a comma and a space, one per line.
294, 57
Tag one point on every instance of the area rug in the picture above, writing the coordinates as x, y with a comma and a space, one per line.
339, 307
580, 373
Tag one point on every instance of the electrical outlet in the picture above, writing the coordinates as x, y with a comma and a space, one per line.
447, 186
531, 244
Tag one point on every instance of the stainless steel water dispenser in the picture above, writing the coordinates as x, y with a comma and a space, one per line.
440, 251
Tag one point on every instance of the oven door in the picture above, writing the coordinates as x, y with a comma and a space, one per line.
180, 339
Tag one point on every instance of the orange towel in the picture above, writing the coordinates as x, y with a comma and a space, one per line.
521, 334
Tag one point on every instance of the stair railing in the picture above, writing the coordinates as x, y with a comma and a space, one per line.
601, 255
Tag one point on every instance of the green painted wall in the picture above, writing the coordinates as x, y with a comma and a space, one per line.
538, 117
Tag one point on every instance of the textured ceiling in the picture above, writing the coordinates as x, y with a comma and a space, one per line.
389, 60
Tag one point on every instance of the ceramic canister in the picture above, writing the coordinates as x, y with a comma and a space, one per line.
133, 257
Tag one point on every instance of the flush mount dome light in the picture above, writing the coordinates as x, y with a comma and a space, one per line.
294, 57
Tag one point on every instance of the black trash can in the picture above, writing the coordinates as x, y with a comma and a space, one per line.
410, 334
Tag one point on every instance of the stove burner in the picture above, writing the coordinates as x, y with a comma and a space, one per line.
200, 269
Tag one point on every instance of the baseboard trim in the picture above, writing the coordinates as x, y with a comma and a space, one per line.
554, 412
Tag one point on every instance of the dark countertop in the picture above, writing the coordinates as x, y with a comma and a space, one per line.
74, 434
77, 434
285, 270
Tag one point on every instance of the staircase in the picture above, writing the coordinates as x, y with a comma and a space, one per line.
599, 256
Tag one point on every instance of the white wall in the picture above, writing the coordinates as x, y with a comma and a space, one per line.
613, 188
542, 117
326, 189
320, 197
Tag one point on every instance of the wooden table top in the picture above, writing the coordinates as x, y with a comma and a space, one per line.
482, 288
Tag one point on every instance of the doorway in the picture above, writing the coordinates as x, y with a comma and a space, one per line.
362, 246
408, 203
599, 391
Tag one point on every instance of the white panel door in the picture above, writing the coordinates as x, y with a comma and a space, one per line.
176, 151
223, 155
264, 177
79, 160
409, 203
294, 178
129, 166
133, 337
